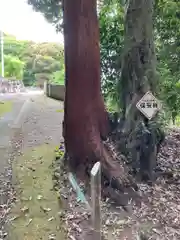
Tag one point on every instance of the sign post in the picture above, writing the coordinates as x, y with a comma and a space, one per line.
149, 105
96, 200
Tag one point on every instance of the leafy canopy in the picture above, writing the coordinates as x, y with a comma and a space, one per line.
37, 61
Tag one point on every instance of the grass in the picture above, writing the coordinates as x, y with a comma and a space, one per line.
5, 107
36, 213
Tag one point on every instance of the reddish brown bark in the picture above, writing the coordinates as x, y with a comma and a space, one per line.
86, 119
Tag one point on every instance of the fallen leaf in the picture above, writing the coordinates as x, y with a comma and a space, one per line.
14, 218
45, 209
24, 209
51, 237
30, 220
32, 169
39, 197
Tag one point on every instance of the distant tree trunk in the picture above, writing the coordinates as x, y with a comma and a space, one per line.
86, 120
138, 77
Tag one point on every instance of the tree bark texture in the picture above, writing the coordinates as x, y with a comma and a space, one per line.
138, 77
86, 120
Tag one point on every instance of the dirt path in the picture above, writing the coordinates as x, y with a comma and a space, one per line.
39, 134
43, 123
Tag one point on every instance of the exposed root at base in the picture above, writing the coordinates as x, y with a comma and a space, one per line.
117, 182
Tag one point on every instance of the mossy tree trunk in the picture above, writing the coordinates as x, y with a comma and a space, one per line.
138, 77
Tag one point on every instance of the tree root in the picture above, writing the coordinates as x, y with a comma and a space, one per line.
117, 183
120, 185
118, 198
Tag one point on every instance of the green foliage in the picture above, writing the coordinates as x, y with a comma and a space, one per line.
14, 47
28, 78
32, 62
45, 64
58, 77
167, 23
111, 19
170, 91
13, 67
52, 10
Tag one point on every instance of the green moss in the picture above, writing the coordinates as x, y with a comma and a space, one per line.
5, 107
36, 210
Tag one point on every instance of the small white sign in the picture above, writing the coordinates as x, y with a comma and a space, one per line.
149, 105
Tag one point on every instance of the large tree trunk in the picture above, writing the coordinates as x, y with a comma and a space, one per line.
86, 120
138, 77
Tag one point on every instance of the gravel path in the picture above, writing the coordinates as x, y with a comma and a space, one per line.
6, 135
42, 124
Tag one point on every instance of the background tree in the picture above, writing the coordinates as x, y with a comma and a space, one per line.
40, 60
58, 77
14, 67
